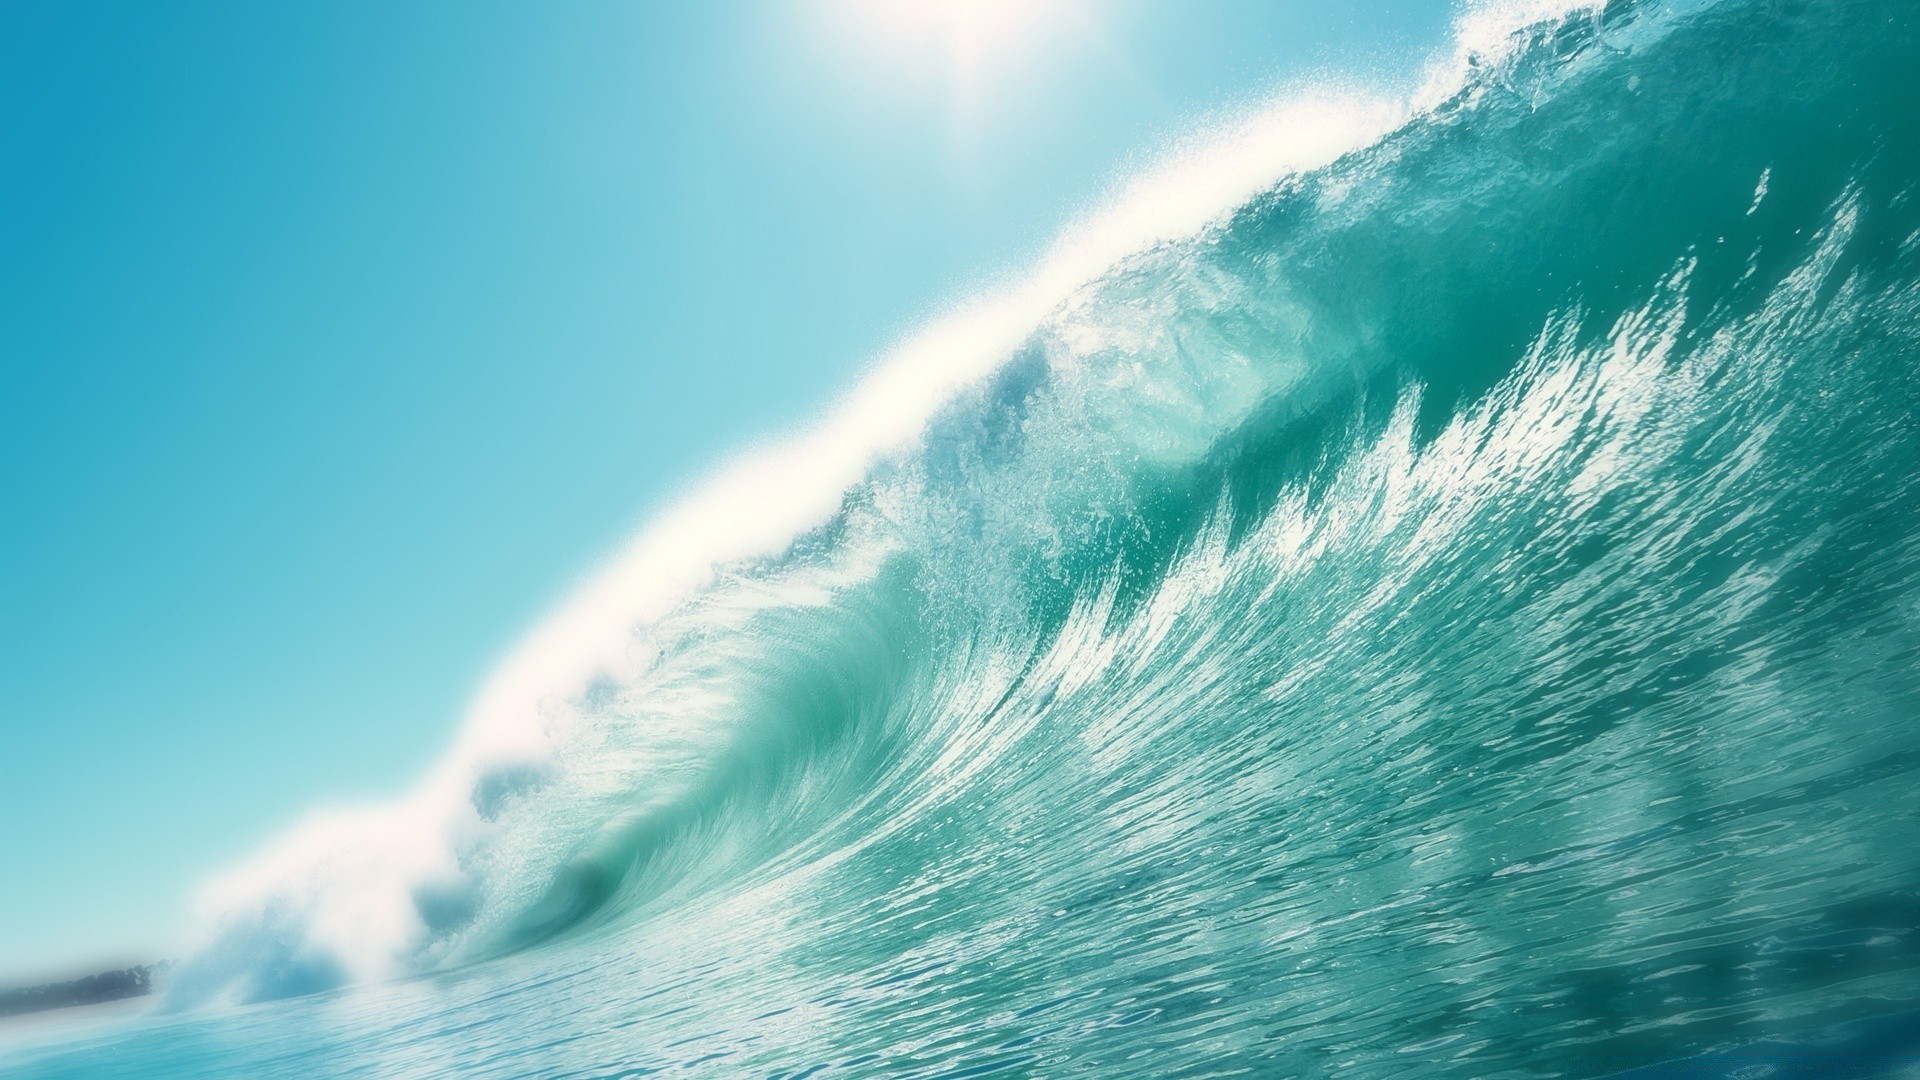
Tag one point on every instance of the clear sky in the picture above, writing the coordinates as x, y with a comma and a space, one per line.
338, 340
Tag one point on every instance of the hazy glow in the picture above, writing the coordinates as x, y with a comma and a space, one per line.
970, 22
971, 47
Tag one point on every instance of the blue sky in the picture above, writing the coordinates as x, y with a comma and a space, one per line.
338, 340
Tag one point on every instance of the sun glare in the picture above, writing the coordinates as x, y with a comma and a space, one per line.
971, 46
963, 20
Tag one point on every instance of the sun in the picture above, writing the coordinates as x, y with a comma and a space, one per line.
969, 21
971, 44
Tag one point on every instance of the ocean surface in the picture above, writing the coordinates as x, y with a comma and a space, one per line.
1450, 608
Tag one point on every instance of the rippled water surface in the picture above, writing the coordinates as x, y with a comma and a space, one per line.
1455, 617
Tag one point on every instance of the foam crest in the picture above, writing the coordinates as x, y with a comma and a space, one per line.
373, 892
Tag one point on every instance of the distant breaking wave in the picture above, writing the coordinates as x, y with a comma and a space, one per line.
1471, 533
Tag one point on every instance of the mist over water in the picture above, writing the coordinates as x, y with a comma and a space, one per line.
1450, 611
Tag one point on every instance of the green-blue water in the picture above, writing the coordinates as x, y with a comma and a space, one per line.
1455, 616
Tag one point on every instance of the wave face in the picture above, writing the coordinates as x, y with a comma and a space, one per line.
1455, 613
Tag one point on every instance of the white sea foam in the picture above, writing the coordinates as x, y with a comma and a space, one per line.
338, 897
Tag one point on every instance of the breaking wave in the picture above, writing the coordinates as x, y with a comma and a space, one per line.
1414, 560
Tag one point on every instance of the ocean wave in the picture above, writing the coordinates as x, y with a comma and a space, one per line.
1485, 509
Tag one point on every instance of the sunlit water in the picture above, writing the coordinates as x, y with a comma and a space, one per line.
1455, 616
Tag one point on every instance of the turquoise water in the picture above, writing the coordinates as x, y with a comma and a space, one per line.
1455, 615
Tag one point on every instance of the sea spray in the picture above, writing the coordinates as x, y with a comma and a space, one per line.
1450, 608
